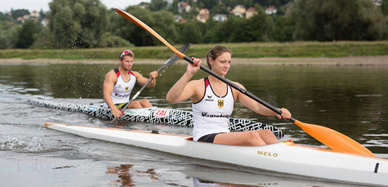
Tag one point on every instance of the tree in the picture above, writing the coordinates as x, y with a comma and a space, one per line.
190, 32
2, 17
283, 29
332, 20
220, 9
276, 3
162, 22
384, 7
237, 29
44, 39
131, 32
223, 31
42, 14
165, 25
27, 34
19, 13
77, 23
209, 4
257, 27
230, 3
9, 37
110, 40
246, 3
174, 7
157, 5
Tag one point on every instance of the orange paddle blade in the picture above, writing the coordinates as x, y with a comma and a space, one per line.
148, 29
337, 141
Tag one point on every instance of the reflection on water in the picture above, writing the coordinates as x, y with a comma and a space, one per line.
124, 174
210, 183
205, 176
231, 176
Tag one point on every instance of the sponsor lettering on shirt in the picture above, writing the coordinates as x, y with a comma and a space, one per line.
209, 98
205, 114
122, 95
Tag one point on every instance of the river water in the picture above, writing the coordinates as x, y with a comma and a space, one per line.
350, 99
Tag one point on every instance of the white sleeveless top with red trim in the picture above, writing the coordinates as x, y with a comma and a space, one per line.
211, 114
122, 90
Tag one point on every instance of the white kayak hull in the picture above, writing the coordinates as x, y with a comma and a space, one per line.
284, 157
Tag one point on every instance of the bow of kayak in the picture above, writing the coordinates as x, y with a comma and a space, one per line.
285, 157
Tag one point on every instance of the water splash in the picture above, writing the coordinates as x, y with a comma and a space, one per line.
28, 145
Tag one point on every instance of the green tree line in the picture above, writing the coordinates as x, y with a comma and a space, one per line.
89, 24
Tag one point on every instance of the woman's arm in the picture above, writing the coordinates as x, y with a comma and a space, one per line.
183, 89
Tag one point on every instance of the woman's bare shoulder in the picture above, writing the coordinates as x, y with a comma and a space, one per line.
236, 83
197, 82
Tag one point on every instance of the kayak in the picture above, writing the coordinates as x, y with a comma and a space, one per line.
154, 115
284, 157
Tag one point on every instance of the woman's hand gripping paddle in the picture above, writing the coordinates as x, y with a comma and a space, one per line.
169, 62
337, 141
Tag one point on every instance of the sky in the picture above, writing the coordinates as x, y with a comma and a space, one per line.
7, 5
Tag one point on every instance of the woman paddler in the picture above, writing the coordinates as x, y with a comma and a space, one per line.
213, 101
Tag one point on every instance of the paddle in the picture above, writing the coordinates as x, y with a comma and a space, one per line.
170, 61
335, 140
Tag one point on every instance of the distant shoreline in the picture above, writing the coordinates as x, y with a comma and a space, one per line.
338, 61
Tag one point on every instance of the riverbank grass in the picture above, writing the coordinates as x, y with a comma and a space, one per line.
240, 50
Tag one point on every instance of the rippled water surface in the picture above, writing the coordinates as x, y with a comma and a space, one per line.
352, 100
